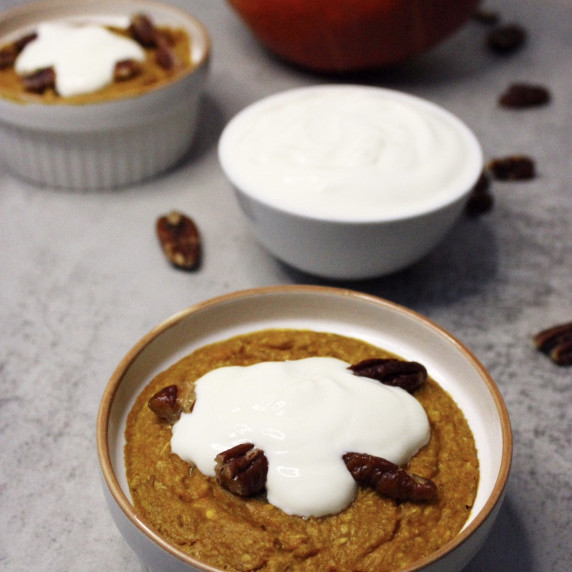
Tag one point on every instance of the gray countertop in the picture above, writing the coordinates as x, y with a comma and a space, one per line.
82, 279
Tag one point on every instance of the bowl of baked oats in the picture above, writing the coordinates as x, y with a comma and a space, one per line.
302, 427
100, 94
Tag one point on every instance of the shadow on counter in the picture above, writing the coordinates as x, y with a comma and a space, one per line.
506, 548
462, 265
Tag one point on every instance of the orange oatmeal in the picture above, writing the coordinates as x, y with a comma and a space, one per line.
374, 533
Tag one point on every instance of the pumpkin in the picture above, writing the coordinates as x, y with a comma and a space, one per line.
349, 35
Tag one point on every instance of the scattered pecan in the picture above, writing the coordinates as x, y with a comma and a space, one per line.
165, 405
126, 69
180, 240
556, 342
40, 80
242, 470
480, 199
506, 39
408, 375
485, 16
512, 168
387, 479
521, 95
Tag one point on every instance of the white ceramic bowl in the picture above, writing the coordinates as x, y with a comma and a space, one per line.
109, 144
322, 309
288, 173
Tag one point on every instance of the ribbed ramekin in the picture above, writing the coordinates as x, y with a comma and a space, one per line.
111, 143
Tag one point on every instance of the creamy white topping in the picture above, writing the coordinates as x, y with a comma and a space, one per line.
304, 414
83, 56
350, 152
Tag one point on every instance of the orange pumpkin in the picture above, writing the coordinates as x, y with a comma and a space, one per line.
348, 35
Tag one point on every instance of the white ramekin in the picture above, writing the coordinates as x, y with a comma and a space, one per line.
109, 144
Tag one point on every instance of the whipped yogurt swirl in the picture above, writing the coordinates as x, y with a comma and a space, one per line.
83, 56
304, 414
350, 152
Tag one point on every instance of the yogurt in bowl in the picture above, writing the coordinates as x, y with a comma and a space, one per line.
350, 169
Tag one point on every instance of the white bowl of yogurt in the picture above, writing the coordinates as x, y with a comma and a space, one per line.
349, 182
79, 139
319, 309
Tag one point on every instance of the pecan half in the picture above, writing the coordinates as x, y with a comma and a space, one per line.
521, 95
180, 240
9, 53
40, 80
512, 168
126, 69
387, 479
165, 55
506, 39
242, 470
408, 375
143, 30
556, 343
480, 199
484, 16
165, 405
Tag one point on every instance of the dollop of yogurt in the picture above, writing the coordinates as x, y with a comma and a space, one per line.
83, 56
350, 152
304, 414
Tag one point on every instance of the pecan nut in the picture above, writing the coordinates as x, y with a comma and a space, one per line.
409, 375
506, 39
387, 479
143, 30
180, 240
40, 81
486, 16
166, 56
512, 168
242, 470
480, 198
556, 343
9, 53
521, 95
165, 404
126, 69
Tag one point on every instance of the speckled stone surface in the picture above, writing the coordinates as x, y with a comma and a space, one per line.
82, 278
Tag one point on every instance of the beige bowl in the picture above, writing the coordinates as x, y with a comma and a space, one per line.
345, 312
108, 144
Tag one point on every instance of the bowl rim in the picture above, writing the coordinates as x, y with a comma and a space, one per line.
240, 182
103, 416
131, 6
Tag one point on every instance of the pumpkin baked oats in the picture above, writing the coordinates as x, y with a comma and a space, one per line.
163, 54
375, 532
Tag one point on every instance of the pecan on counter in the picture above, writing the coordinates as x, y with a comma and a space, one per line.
480, 199
506, 39
180, 240
512, 168
523, 95
556, 343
